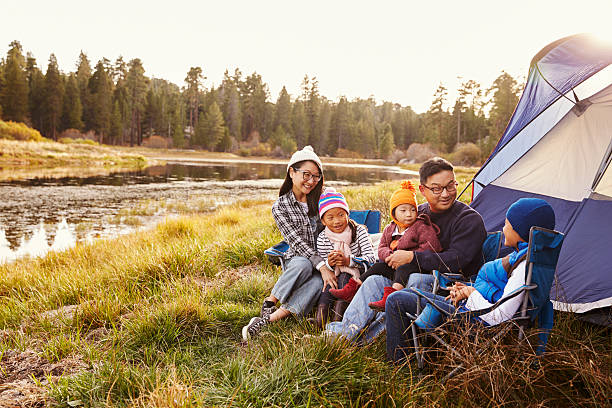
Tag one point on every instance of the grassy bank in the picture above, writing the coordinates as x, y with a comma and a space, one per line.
26, 159
154, 318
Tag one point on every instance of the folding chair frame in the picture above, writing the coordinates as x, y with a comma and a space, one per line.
491, 248
521, 318
369, 218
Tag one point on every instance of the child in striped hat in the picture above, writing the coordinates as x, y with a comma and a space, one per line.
340, 243
407, 231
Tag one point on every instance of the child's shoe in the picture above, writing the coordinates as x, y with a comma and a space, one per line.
347, 292
380, 305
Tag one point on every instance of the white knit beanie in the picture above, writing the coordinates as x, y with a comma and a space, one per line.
307, 153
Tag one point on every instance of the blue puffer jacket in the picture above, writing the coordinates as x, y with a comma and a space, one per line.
492, 277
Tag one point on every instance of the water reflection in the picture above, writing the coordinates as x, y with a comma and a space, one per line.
32, 211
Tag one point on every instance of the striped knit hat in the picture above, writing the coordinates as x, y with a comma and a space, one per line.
332, 199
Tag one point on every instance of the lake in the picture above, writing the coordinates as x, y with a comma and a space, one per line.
41, 214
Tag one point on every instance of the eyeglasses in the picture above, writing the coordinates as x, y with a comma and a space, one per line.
308, 175
437, 190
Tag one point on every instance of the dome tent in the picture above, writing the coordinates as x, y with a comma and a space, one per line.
558, 146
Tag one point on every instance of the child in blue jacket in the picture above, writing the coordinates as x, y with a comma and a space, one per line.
495, 280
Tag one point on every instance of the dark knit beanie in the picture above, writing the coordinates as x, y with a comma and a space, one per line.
530, 212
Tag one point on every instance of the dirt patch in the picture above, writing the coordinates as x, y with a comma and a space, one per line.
24, 374
63, 313
23, 393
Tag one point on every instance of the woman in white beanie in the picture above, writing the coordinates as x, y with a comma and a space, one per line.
297, 216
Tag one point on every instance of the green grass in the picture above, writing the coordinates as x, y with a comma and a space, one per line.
157, 321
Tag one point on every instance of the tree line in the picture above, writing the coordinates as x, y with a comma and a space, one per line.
122, 106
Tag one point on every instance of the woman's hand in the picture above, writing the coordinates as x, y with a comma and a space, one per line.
329, 278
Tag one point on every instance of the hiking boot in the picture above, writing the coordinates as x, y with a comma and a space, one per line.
254, 327
380, 305
347, 292
322, 316
267, 308
339, 309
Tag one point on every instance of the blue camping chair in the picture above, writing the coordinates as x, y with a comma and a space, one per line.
491, 248
542, 256
369, 218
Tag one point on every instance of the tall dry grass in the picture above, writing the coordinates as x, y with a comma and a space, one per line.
154, 319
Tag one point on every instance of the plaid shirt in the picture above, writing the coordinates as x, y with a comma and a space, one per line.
294, 225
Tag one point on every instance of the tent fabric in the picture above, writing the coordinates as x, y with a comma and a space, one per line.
556, 70
584, 268
561, 151
562, 165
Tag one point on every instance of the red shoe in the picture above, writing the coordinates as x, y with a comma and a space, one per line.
347, 292
380, 305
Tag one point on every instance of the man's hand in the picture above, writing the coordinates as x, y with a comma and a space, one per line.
329, 278
399, 258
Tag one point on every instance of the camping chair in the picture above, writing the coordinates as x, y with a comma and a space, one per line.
491, 248
369, 218
542, 256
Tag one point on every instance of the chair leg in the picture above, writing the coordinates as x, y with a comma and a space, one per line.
417, 349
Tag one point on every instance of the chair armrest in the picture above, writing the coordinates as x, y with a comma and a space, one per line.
513, 294
421, 295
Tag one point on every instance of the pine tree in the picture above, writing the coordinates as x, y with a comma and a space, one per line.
340, 128
194, 80
178, 136
435, 124
36, 93
116, 123
505, 97
215, 127
72, 111
254, 94
386, 142
324, 127
83, 75
298, 124
230, 105
282, 114
136, 85
54, 98
101, 99
14, 96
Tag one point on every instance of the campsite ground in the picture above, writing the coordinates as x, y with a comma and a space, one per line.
154, 318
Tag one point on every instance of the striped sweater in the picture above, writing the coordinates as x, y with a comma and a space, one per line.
361, 247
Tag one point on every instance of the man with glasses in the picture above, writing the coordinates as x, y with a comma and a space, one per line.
462, 233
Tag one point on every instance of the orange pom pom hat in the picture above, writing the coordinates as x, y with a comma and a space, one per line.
405, 195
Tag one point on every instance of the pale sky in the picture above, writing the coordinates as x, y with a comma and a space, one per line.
396, 51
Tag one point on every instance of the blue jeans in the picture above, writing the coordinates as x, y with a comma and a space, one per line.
423, 281
399, 346
299, 286
359, 321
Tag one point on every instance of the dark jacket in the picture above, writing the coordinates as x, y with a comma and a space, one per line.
462, 233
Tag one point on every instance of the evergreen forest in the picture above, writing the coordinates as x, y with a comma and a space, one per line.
116, 103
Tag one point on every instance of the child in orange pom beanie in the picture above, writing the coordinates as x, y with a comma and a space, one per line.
407, 231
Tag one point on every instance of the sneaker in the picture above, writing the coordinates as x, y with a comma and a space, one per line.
347, 292
254, 327
380, 305
267, 308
